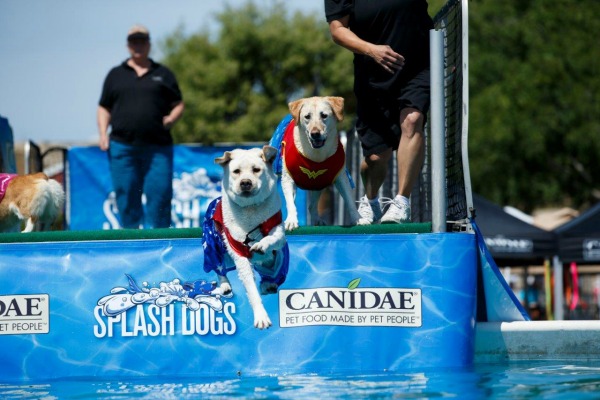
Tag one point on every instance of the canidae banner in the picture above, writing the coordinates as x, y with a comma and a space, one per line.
196, 182
146, 307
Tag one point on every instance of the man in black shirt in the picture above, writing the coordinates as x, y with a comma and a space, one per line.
390, 42
141, 101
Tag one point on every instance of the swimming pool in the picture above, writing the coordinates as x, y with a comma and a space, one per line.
526, 379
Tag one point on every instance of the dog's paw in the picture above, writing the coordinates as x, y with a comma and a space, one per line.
223, 289
261, 319
268, 288
291, 224
259, 247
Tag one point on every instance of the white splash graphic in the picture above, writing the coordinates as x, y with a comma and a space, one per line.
198, 184
192, 294
192, 192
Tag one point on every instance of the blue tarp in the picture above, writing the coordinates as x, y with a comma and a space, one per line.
351, 303
7, 152
196, 182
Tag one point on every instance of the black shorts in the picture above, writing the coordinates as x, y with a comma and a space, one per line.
378, 123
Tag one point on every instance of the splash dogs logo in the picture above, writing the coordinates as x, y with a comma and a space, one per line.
190, 308
350, 306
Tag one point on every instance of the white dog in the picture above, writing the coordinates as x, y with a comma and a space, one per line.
314, 158
244, 229
32, 198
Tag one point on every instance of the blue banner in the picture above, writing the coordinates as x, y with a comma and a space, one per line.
351, 303
501, 304
196, 182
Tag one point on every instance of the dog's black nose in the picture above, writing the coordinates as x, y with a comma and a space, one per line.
246, 185
315, 135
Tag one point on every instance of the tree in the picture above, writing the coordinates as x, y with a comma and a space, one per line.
535, 102
534, 89
237, 87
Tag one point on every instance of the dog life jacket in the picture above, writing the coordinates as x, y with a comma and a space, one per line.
4, 181
308, 174
215, 250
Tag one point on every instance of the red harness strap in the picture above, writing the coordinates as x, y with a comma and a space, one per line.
242, 248
308, 174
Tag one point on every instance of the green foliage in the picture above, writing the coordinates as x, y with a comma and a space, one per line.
535, 102
534, 89
237, 87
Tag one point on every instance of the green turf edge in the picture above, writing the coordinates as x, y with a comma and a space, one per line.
421, 227
195, 233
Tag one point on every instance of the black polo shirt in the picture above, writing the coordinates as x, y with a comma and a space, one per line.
137, 105
402, 24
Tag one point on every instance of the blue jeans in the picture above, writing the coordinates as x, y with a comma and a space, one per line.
142, 169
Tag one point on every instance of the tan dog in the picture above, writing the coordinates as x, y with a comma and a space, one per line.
314, 158
33, 198
248, 219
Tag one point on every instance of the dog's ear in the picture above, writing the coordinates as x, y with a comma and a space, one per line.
269, 153
337, 104
224, 159
295, 107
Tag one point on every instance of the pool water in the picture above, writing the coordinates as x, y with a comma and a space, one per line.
523, 380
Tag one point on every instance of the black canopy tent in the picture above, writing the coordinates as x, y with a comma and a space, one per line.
579, 239
510, 240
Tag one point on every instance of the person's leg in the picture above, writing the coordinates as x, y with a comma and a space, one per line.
127, 183
377, 152
410, 155
411, 150
413, 105
158, 186
373, 171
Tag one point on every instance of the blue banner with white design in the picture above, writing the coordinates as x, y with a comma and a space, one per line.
196, 182
351, 303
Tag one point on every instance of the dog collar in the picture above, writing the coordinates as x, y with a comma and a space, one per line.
4, 181
243, 248
308, 174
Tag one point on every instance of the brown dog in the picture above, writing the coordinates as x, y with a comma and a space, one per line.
313, 157
33, 198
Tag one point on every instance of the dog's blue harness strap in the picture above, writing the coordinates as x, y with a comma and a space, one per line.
212, 243
276, 140
352, 185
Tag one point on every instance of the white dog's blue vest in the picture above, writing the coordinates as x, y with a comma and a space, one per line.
218, 260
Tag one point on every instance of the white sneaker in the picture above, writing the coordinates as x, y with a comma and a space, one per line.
396, 213
369, 212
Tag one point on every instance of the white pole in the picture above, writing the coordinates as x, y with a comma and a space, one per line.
465, 105
438, 118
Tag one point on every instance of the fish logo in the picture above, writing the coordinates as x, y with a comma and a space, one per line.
313, 174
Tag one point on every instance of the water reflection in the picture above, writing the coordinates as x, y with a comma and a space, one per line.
515, 380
